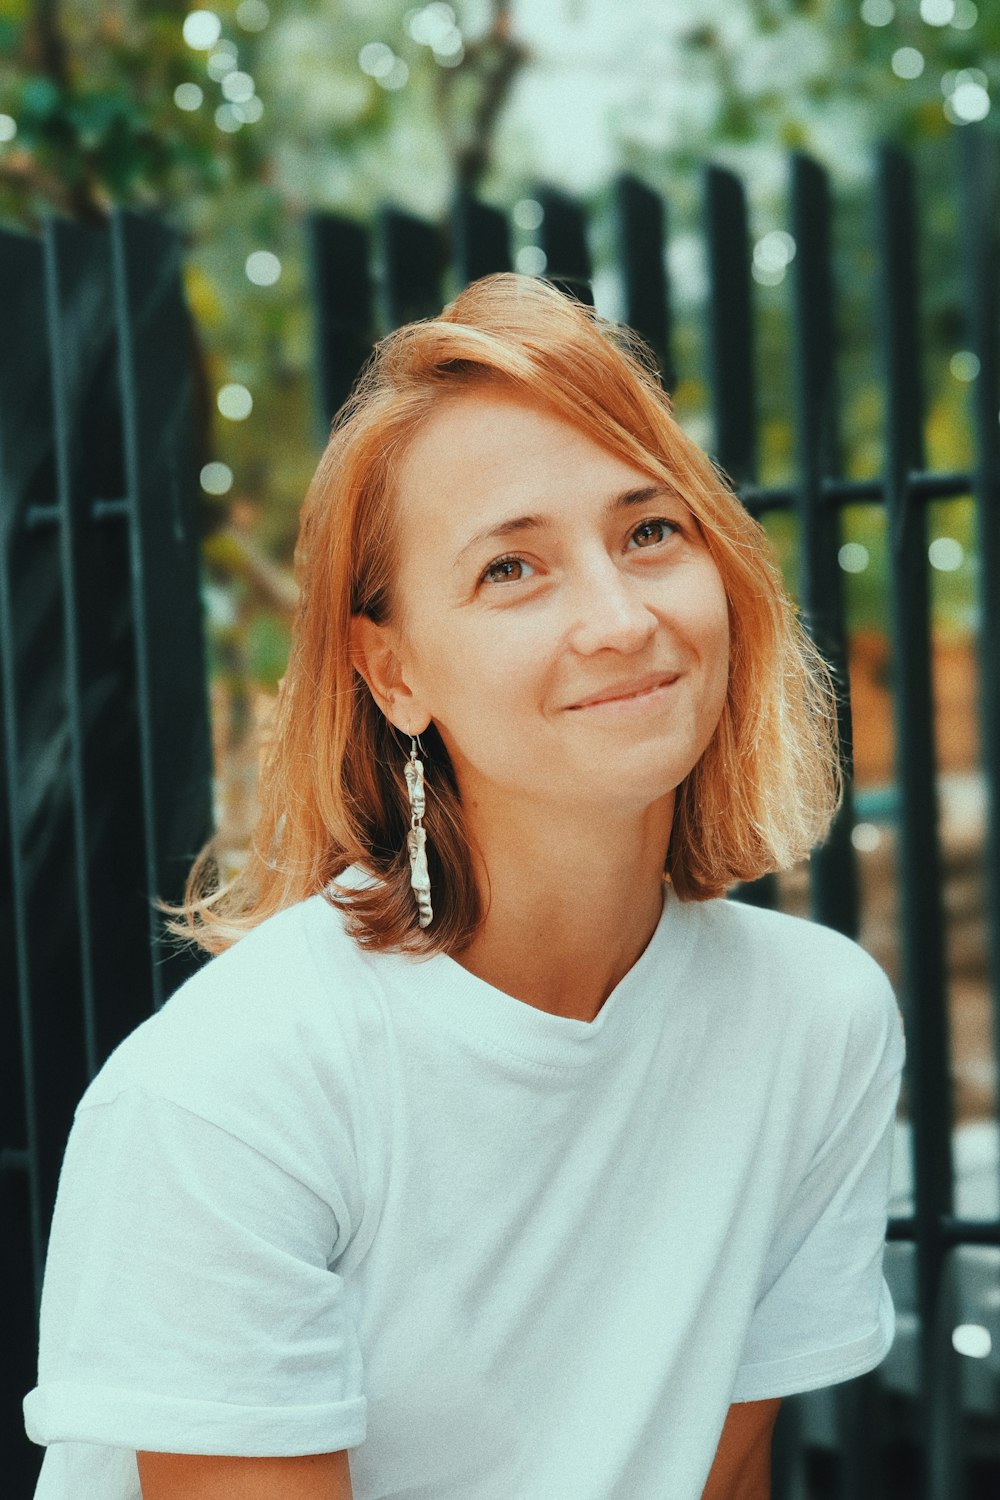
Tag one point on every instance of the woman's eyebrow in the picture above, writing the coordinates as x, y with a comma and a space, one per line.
517, 524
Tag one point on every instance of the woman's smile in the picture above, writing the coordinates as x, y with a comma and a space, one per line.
635, 701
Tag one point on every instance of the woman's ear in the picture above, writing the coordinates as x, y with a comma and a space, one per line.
375, 656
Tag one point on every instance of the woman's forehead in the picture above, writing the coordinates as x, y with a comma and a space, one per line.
479, 447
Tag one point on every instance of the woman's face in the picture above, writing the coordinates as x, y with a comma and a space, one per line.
595, 580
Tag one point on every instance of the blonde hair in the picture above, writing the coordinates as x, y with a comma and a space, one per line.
331, 791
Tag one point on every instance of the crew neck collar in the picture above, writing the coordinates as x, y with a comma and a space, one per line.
453, 996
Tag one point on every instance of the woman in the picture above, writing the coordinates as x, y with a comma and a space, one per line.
498, 1157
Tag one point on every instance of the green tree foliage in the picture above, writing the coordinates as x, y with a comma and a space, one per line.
232, 122
233, 128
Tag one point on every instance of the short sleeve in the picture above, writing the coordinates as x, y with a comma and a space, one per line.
825, 1313
189, 1305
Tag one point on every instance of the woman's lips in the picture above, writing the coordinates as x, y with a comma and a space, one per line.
635, 702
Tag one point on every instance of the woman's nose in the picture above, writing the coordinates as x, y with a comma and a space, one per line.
609, 611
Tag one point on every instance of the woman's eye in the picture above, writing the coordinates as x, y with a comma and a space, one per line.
658, 528
493, 575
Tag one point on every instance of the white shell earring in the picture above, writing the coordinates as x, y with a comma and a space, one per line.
416, 838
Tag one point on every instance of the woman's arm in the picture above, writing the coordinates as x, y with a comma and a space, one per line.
742, 1467
183, 1476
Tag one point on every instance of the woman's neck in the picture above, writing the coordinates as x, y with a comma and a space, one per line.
568, 910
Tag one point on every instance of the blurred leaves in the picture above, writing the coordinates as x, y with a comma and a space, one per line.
446, 98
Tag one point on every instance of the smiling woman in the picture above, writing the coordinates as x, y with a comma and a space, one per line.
492, 1149
517, 414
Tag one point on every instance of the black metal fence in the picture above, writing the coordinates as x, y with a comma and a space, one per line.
105, 736
105, 751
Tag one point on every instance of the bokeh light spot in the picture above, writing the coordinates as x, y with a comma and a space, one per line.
432, 24
907, 62
188, 96
262, 268
946, 554
528, 213
967, 103
877, 12
964, 365
252, 15
451, 59
235, 402
221, 62
238, 87
531, 260
972, 1340
202, 29
853, 557
866, 837
376, 59
216, 479
227, 119
772, 253
966, 15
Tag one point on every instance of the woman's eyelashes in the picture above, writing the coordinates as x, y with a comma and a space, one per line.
504, 562
646, 532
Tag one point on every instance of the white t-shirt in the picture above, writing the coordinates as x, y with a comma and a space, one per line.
333, 1199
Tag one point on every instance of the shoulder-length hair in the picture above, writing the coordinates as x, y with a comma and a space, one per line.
331, 791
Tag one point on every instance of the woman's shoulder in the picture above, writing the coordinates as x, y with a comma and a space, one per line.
784, 936
796, 966
268, 1007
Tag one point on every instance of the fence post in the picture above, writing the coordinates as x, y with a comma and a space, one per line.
480, 239
919, 861
31, 635
343, 302
157, 369
640, 233
732, 375
832, 871
411, 254
732, 372
563, 240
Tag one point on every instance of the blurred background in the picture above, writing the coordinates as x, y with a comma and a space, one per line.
234, 123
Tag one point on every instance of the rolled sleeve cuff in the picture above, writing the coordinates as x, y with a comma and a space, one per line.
62, 1411
808, 1372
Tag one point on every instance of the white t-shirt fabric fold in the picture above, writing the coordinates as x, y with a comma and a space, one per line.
329, 1198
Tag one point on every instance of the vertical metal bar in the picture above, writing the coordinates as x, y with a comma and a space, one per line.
919, 860
731, 367
832, 870
78, 277
787, 1479
25, 477
859, 1410
732, 373
343, 303
157, 371
480, 239
640, 231
412, 262
103, 771
979, 179
563, 239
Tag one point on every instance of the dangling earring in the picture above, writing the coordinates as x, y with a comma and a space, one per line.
416, 838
